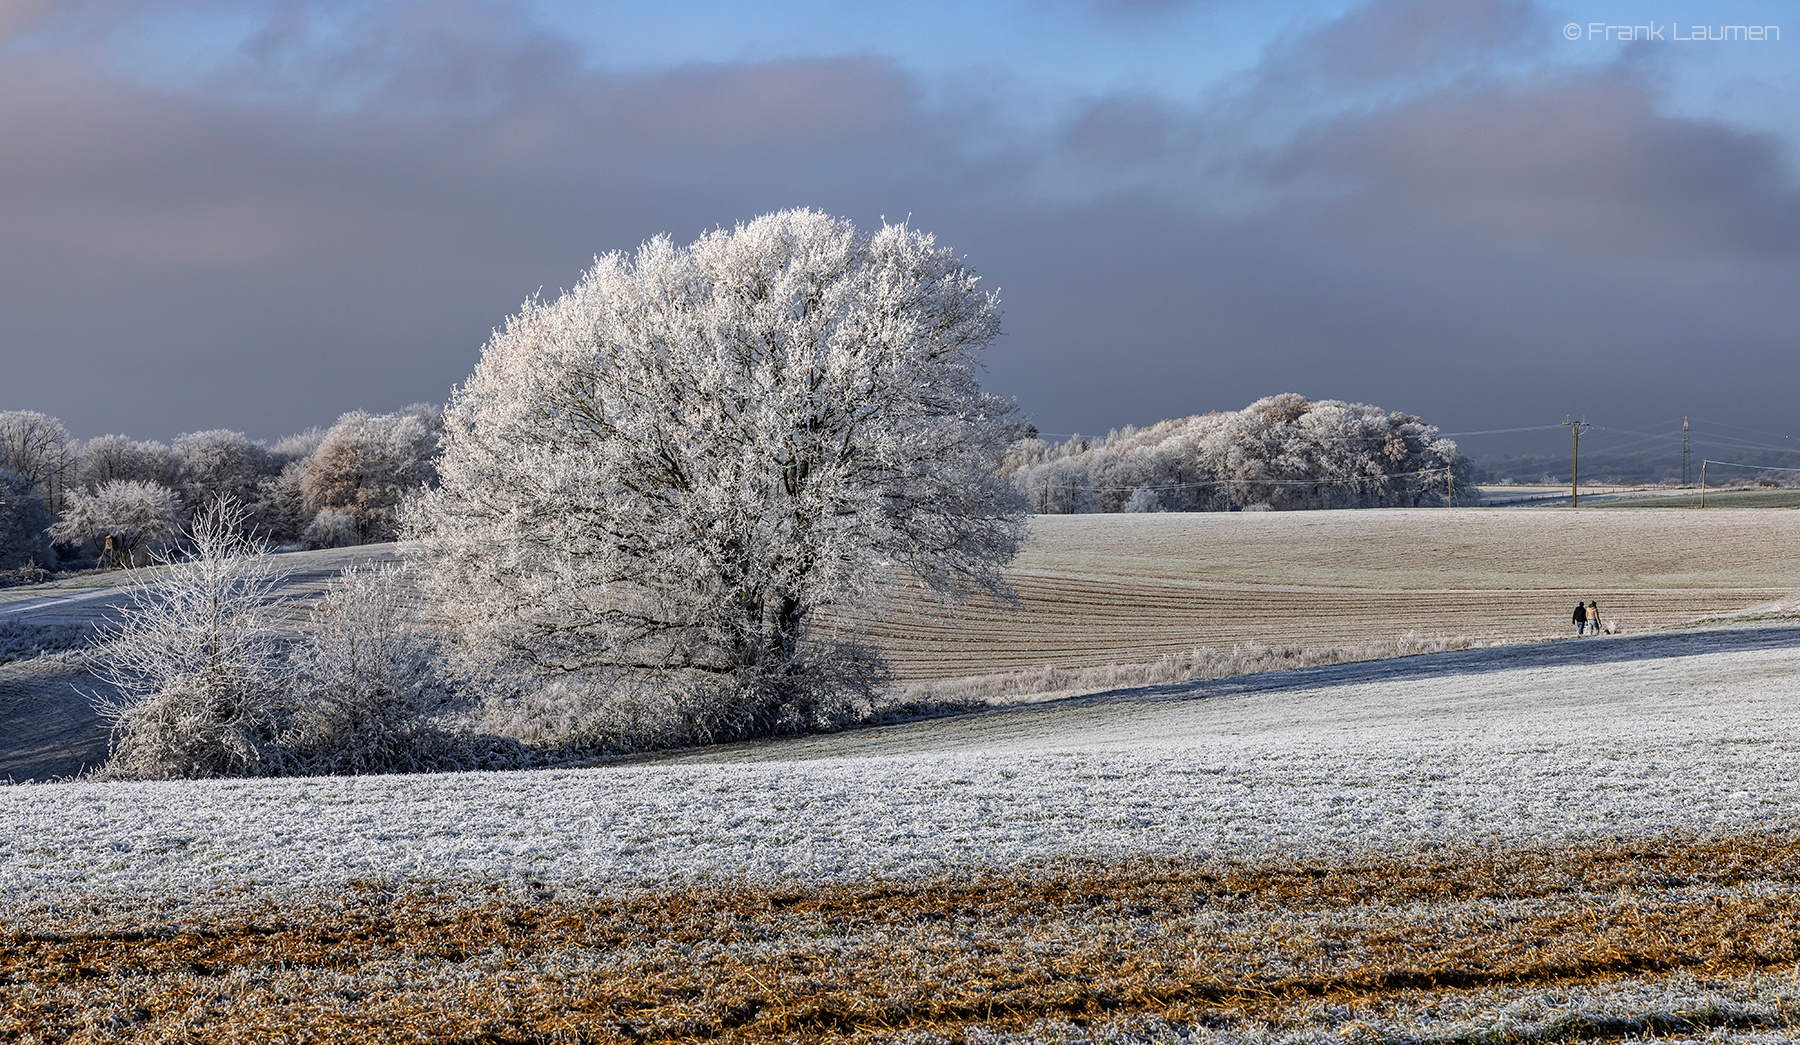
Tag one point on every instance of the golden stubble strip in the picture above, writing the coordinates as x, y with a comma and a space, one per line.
1211, 942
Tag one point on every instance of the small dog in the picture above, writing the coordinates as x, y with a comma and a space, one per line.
1609, 627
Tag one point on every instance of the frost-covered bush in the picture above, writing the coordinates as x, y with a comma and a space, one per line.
365, 688
197, 668
330, 529
1143, 500
24, 522
137, 515
674, 467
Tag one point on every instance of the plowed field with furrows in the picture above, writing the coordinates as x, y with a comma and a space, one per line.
1122, 589
1068, 622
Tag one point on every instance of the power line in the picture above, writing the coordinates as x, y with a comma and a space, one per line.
1499, 431
1741, 428
1758, 467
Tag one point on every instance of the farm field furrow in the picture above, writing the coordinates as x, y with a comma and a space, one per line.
1082, 621
1120, 589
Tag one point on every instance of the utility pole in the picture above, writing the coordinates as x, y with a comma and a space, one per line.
1703, 482
1575, 462
1450, 485
1687, 467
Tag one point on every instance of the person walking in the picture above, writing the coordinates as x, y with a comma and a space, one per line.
1593, 616
1580, 618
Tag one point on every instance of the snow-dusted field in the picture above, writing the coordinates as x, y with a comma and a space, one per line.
1568, 740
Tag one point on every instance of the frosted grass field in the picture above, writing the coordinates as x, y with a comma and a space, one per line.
1639, 735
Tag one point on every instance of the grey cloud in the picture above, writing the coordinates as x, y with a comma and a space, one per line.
1581, 163
256, 254
1123, 129
1409, 42
416, 56
16, 14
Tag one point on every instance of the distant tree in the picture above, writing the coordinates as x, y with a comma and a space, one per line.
299, 446
23, 521
36, 447
1059, 487
220, 464
134, 514
114, 457
678, 464
366, 465
1284, 451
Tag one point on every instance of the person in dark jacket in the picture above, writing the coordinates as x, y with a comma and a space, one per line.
1580, 618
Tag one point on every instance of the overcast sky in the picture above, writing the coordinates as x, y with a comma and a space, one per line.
258, 215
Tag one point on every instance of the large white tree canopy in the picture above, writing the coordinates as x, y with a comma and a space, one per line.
682, 459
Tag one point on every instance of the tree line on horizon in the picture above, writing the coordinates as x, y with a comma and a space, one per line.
1283, 453
62, 498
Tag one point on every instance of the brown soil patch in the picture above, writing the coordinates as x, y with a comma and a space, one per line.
1214, 945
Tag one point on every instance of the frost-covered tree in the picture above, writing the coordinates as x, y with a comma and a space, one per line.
24, 520
196, 665
1284, 451
36, 447
220, 464
367, 464
115, 457
135, 514
1059, 487
679, 463
330, 529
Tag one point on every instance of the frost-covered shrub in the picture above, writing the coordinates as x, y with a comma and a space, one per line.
197, 669
365, 687
330, 529
1142, 500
